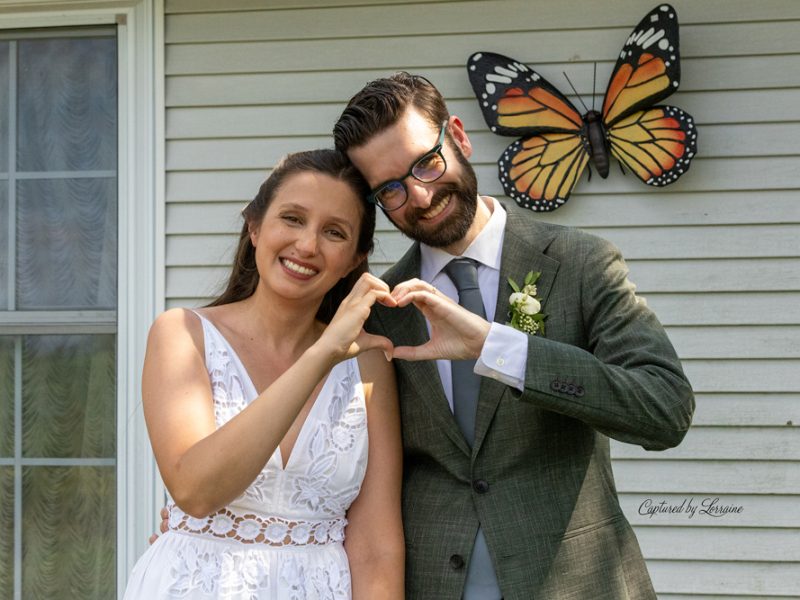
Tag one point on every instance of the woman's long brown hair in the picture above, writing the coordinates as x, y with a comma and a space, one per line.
244, 277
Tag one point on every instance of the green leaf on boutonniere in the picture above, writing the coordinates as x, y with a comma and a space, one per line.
525, 307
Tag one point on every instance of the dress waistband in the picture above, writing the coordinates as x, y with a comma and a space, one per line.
250, 528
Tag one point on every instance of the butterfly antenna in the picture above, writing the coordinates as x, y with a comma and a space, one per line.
594, 83
576, 91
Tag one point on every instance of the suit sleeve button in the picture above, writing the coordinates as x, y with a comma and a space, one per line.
480, 486
555, 384
457, 562
579, 391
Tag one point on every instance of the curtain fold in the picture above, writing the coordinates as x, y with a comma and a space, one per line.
69, 518
65, 258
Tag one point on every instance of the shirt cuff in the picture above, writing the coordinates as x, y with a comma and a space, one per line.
504, 356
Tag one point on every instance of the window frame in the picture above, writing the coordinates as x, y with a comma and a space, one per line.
141, 207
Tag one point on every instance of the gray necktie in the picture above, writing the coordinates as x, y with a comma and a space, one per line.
466, 384
481, 581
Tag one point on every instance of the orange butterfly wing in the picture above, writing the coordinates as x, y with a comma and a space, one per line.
657, 144
648, 68
539, 171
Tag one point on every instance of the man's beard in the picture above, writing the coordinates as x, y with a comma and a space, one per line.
465, 195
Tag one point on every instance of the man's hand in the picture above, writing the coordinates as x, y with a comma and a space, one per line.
456, 333
164, 526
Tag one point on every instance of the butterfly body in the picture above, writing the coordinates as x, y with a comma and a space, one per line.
598, 144
540, 170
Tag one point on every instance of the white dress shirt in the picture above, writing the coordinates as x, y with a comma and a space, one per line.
504, 353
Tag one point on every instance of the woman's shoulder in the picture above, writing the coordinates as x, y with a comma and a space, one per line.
177, 326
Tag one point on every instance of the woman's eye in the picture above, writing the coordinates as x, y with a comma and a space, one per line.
291, 218
337, 233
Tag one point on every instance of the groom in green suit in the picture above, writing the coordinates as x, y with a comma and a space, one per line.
512, 496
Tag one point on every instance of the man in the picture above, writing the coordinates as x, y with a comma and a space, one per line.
513, 496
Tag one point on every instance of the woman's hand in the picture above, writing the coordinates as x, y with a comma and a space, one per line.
456, 333
344, 337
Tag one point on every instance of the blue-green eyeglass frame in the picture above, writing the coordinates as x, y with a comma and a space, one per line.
437, 149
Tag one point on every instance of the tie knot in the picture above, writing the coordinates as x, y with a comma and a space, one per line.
464, 273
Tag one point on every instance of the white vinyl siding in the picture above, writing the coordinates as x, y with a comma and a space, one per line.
716, 255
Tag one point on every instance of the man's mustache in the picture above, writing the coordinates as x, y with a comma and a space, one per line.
439, 196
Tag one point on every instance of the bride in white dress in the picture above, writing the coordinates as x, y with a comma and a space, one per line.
277, 435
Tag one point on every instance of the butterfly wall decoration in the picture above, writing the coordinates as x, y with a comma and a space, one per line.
655, 142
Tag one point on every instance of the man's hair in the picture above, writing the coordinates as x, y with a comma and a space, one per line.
381, 103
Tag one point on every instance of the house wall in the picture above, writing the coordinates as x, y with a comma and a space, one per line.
717, 255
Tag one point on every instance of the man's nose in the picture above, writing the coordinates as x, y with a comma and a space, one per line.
419, 194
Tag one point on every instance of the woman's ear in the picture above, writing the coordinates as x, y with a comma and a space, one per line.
357, 260
459, 135
252, 231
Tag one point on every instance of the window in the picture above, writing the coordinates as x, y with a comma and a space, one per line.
58, 313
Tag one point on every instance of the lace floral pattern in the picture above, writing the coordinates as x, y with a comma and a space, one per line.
282, 538
225, 574
249, 528
315, 583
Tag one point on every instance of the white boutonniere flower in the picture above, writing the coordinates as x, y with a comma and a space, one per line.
525, 308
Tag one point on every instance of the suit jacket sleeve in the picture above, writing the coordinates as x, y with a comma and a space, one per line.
626, 380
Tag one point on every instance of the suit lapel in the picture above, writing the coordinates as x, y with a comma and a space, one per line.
524, 243
407, 327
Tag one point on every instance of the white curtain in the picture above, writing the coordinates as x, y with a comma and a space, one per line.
65, 232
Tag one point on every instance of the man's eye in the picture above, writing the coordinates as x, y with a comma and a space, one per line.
428, 161
390, 191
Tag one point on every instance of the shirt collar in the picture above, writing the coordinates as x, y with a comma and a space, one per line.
486, 248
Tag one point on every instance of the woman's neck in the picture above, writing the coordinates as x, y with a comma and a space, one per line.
285, 326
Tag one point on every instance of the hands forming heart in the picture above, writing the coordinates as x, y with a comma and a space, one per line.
456, 333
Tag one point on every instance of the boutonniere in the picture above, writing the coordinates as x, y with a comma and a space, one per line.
525, 308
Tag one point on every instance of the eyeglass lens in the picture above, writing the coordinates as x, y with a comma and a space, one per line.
427, 169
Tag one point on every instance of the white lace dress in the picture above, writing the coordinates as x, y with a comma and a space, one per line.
282, 538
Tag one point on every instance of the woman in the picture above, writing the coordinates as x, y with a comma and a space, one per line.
263, 407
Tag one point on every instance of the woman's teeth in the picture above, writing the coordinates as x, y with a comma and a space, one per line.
300, 269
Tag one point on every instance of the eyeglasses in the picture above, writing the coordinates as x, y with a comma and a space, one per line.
393, 194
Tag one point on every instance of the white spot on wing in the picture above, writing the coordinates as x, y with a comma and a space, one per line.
497, 78
508, 72
490, 88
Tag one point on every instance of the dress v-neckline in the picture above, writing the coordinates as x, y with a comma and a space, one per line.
278, 454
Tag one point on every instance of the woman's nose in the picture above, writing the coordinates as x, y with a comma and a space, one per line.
307, 243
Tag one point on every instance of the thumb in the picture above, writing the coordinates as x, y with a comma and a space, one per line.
368, 341
423, 352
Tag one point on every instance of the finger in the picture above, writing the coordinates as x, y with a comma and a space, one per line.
412, 285
411, 353
368, 341
368, 281
384, 297
152, 539
420, 298
164, 513
164, 526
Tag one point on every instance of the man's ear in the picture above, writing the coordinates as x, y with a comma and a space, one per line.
459, 135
